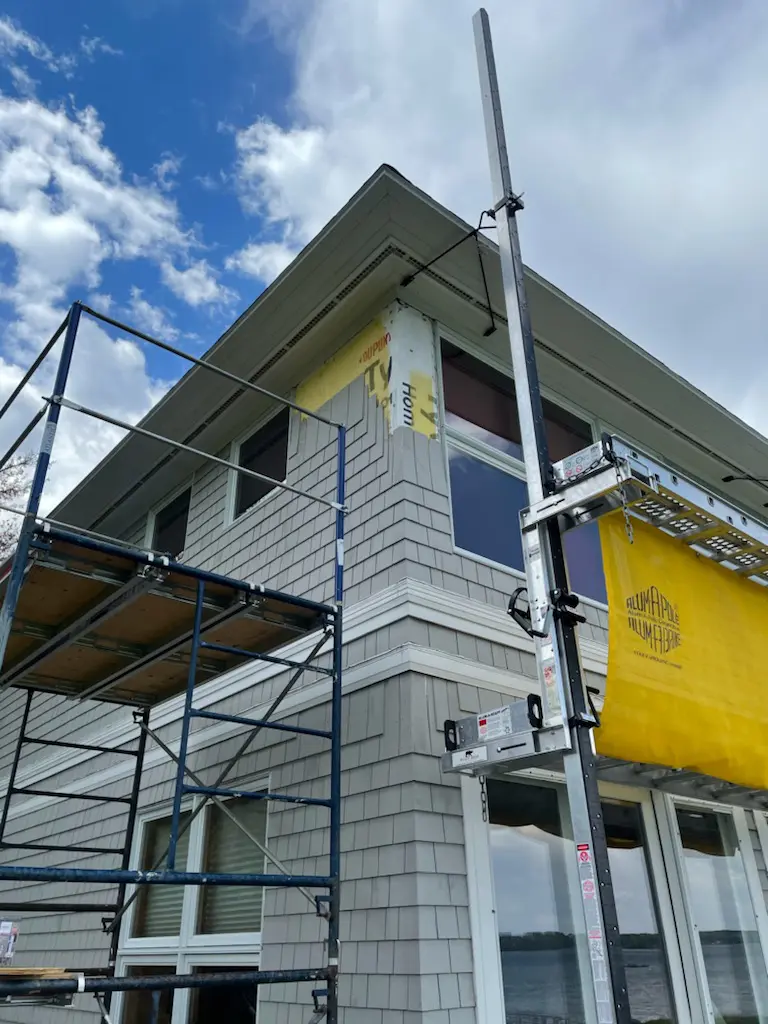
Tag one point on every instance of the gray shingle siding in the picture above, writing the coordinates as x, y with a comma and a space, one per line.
406, 953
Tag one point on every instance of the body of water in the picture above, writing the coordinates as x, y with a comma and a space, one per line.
544, 986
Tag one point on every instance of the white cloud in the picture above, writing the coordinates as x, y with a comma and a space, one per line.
25, 84
92, 45
262, 260
67, 209
101, 302
631, 129
209, 182
13, 39
166, 170
197, 285
151, 319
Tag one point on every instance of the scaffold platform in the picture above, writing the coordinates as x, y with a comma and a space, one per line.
90, 618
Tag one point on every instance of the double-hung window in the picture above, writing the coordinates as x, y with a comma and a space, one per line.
487, 473
264, 452
169, 528
175, 929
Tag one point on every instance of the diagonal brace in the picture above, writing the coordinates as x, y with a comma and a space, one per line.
228, 768
223, 807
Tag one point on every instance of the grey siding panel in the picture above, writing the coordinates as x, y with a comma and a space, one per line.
405, 939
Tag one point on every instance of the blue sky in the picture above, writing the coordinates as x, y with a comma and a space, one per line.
167, 158
172, 82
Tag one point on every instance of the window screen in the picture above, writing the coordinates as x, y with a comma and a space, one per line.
265, 452
170, 533
158, 909
226, 908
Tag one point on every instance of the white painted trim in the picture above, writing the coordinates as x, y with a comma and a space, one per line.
761, 824
406, 599
408, 658
489, 987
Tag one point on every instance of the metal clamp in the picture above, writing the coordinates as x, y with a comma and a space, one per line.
522, 616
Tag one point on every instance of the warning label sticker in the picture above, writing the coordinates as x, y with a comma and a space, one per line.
493, 724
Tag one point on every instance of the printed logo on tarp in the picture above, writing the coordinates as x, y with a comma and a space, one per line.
655, 620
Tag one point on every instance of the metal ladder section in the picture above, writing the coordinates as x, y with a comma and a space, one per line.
112, 910
558, 724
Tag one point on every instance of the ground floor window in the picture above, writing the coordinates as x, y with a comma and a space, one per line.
215, 1005
141, 1007
689, 923
173, 929
222, 1005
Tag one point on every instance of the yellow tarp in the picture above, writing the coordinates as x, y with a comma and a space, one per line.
688, 659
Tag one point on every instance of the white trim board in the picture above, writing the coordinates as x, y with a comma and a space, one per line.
400, 660
405, 599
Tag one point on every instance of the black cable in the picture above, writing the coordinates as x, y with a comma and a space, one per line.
472, 233
748, 478
492, 328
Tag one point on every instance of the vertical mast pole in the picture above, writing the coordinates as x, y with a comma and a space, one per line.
557, 652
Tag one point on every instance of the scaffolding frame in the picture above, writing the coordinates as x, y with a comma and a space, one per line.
217, 602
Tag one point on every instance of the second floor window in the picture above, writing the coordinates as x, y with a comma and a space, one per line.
266, 452
170, 530
487, 473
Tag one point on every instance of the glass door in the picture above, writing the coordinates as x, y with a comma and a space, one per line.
721, 916
536, 901
645, 955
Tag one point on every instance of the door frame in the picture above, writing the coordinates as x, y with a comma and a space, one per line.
665, 805
663, 877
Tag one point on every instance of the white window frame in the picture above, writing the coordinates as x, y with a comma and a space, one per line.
180, 953
232, 475
149, 529
665, 805
686, 969
453, 438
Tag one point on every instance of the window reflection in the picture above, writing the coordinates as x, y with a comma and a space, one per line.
645, 962
486, 509
541, 974
142, 1006
486, 504
539, 962
481, 402
723, 918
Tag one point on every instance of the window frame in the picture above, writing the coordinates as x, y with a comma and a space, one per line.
180, 953
667, 877
154, 512
450, 437
230, 516
665, 805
